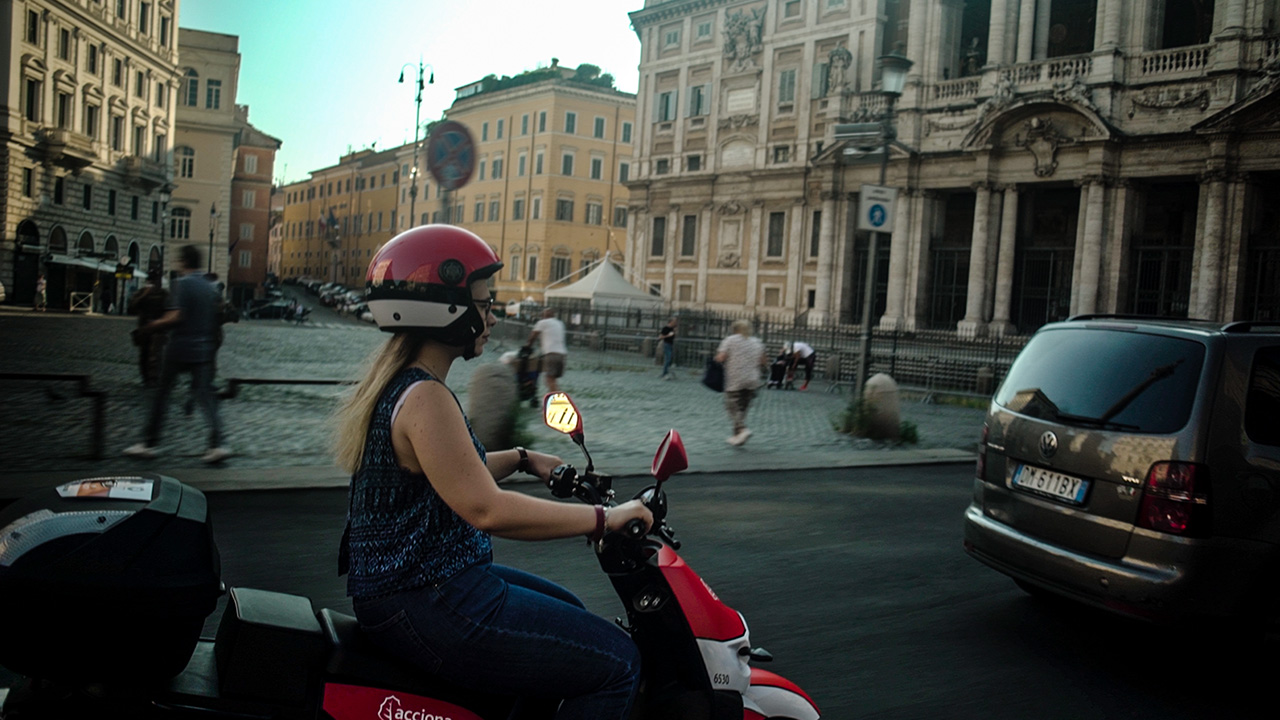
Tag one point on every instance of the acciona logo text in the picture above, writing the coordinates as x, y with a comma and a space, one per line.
391, 709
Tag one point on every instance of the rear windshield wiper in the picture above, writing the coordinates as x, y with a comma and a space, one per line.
1097, 422
1156, 375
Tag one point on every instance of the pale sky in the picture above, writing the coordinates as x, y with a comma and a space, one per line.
321, 75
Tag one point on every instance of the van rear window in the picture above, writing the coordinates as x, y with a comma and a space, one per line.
1089, 377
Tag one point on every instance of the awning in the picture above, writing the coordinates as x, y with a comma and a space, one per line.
90, 263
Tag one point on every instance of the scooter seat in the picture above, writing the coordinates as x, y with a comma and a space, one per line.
353, 659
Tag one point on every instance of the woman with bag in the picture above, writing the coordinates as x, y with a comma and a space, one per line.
742, 356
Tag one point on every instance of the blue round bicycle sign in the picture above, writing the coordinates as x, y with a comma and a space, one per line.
877, 215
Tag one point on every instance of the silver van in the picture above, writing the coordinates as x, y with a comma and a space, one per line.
1134, 464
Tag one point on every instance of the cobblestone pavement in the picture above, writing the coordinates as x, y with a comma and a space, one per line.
279, 430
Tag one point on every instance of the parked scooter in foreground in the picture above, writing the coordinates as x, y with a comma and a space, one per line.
105, 584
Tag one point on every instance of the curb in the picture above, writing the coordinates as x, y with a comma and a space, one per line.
15, 485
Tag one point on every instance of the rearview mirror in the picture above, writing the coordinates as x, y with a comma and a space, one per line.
560, 414
670, 458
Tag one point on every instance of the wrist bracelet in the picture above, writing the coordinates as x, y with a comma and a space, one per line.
523, 466
598, 534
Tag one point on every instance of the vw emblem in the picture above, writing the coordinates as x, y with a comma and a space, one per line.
1048, 444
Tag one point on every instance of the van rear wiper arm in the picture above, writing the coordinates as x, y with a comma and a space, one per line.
1100, 422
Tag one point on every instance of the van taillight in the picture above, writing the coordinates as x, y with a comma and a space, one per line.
982, 453
1175, 499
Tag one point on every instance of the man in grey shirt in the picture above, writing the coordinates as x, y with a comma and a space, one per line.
191, 317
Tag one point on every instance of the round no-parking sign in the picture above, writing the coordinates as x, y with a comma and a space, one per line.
451, 154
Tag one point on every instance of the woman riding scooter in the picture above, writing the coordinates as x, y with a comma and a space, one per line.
424, 501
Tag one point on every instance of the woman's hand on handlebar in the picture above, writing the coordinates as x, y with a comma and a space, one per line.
618, 516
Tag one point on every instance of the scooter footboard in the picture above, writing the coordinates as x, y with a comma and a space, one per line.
773, 696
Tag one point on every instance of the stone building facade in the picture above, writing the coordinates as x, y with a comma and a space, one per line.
334, 221
200, 211
547, 192
251, 213
89, 97
1054, 157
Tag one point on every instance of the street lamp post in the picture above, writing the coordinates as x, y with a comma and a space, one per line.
213, 223
893, 76
417, 124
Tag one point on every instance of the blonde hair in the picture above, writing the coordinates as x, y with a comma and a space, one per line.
351, 419
742, 327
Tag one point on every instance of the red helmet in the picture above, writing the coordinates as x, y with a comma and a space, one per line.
421, 280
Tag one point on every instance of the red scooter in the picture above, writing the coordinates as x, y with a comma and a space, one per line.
105, 584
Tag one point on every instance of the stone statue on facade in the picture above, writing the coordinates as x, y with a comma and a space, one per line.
839, 60
743, 34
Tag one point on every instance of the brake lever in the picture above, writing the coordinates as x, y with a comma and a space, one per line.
668, 535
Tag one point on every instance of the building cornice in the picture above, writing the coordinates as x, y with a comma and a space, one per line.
552, 86
671, 10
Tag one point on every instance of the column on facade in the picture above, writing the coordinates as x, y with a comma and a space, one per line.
973, 324
917, 37
1090, 246
899, 250
996, 30
1232, 13
1042, 29
1208, 250
1001, 323
753, 240
826, 256
670, 248
1110, 16
704, 250
1026, 30
1117, 249
794, 298
919, 263
639, 231
1235, 248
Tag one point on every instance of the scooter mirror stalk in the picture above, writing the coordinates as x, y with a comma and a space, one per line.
561, 415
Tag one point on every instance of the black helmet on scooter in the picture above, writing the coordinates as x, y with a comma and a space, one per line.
421, 280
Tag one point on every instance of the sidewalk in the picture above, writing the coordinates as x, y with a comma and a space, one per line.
280, 433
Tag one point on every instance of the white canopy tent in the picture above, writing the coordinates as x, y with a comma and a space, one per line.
605, 287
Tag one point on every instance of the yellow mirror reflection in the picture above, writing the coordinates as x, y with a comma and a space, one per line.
560, 413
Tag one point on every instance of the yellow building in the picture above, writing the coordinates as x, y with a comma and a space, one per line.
335, 221
553, 147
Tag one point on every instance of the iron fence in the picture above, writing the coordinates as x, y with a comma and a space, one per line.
925, 360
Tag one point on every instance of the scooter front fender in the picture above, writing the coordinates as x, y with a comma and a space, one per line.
773, 696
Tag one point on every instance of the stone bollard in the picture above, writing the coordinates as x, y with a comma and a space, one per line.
648, 348
884, 415
983, 379
491, 404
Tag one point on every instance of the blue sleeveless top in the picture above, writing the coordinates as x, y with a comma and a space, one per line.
401, 534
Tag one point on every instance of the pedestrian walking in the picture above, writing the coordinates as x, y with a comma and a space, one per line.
550, 334
802, 354
191, 316
424, 503
42, 287
742, 356
668, 337
149, 303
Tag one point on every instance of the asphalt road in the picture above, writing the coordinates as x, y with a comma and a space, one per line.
856, 582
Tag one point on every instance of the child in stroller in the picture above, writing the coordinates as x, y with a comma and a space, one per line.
782, 372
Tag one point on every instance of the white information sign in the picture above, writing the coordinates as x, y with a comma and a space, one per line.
875, 208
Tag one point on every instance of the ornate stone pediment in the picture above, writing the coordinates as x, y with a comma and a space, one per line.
1170, 98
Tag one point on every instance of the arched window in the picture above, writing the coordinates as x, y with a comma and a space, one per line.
111, 248
180, 224
58, 241
153, 260
186, 159
190, 87
28, 234
85, 246
133, 253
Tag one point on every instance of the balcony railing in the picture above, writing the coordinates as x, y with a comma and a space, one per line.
1026, 75
957, 89
1178, 62
66, 148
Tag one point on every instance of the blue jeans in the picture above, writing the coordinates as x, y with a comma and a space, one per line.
494, 628
201, 386
668, 353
